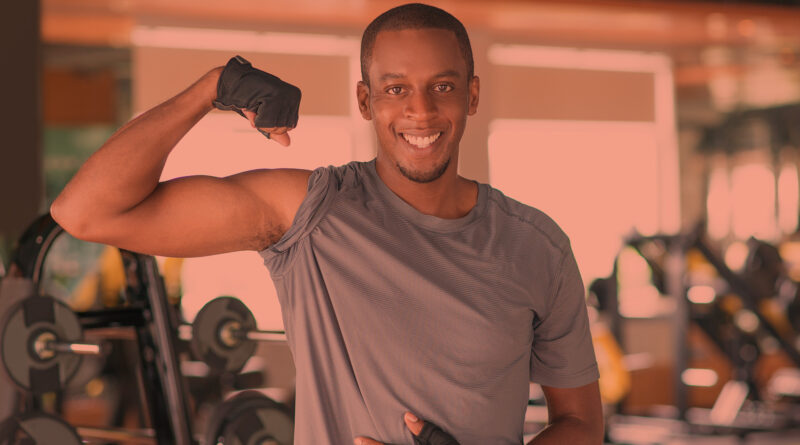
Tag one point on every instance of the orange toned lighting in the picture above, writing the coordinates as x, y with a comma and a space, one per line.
699, 377
746, 320
746, 28
701, 294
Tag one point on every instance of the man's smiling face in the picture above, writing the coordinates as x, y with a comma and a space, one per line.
419, 98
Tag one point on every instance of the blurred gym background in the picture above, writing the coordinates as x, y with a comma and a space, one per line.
662, 136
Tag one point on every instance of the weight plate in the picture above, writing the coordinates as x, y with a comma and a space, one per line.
250, 418
265, 423
38, 429
30, 318
211, 334
221, 413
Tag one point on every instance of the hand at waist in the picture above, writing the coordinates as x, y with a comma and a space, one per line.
425, 433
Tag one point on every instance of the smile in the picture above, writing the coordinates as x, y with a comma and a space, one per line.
421, 141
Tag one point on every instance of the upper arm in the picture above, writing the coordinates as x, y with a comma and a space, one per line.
204, 215
562, 353
582, 402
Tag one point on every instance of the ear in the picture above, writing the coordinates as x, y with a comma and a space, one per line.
362, 96
474, 92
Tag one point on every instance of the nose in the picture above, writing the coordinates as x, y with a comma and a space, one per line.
420, 106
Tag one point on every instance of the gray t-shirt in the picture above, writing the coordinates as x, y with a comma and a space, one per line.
387, 309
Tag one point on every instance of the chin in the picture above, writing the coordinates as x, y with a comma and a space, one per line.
424, 176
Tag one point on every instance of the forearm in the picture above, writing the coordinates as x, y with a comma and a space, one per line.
127, 168
571, 430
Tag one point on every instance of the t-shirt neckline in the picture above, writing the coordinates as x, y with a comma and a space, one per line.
415, 216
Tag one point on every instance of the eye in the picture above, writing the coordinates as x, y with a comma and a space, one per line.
394, 90
443, 87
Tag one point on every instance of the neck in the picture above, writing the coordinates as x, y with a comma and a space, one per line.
449, 196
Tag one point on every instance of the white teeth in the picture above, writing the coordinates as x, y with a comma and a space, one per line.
421, 142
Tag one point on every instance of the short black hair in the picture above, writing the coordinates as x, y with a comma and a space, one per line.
414, 16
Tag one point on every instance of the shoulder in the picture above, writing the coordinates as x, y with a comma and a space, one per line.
342, 176
527, 219
324, 185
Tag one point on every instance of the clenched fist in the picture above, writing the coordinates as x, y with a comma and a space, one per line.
270, 104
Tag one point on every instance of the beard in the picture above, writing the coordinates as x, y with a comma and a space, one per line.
423, 177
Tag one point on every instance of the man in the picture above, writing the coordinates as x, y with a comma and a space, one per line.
404, 287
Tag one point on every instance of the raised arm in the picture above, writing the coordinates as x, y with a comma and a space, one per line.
116, 197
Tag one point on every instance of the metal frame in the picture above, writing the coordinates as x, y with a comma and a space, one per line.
674, 272
148, 312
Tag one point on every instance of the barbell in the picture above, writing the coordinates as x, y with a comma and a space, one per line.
41, 345
224, 334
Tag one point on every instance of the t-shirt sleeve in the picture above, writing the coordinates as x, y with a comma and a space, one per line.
562, 354
322, 186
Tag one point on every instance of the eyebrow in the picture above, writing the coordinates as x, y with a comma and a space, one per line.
394, 76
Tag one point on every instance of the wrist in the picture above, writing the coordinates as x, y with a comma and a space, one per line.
209, 82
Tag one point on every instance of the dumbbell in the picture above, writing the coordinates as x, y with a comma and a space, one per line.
224, 334
40, 348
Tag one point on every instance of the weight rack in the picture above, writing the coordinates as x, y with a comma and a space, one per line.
145, 310
669, 276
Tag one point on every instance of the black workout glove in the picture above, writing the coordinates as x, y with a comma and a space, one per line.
433, 435
274, 101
